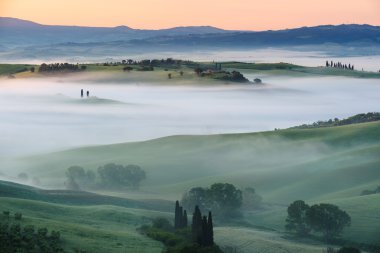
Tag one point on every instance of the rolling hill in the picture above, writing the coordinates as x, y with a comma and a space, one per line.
329, 165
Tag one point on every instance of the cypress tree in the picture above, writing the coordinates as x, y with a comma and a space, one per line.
196, 227
205, 234
184, 222
210, 228
176, 215
180, 217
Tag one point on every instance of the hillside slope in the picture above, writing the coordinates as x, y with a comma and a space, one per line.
282, 165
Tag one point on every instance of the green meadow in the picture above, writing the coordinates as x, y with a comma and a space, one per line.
332, 165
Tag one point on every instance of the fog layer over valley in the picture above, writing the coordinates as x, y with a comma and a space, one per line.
42, 115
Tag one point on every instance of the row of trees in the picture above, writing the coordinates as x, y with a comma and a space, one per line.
202, 228
60, 67
109, 176
339, 65
359, 118
180, 217
17, 238
327, 219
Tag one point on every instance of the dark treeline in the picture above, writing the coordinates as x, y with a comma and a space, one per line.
14, 237
109, 176
359, 118
339, 65
61, 67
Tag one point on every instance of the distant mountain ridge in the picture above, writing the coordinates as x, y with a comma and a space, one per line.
26, 39
17, 32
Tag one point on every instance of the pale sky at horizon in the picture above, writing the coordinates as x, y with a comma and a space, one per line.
156, 14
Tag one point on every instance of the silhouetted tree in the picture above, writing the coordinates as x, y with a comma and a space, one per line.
348, 250
297, 218
327, 219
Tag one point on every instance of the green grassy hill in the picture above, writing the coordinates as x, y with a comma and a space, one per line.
330, 165
282, 165
95, 229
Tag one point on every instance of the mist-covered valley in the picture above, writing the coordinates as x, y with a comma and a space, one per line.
47, 114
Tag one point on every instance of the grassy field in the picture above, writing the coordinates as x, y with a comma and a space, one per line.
161, 72
296, 70
262, 160
91, 228
8, 69
246, 240
330, 165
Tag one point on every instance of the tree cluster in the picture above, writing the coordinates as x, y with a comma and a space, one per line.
359, 118
370, 192
109, 176
60, 67
198, 238
202, 228
26, 239
224, 199
339, 65
180, 217
327, 219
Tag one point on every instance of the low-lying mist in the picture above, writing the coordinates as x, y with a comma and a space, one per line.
43, 115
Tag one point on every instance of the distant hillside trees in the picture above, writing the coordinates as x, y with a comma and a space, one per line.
339, 65
359, 118
109, 176
251, 200
117, 176
327, 219
60, 67
224, 199
369, 192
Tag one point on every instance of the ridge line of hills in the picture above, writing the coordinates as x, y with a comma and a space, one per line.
17, 33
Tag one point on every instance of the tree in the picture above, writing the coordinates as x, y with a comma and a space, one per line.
251, 200
226, 198
118, 176
297, 218
184, 219
327, 219
77, 178
196, 226
348, 250
176, 215
210, 228
23, 176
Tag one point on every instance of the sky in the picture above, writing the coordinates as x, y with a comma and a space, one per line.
227, 14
